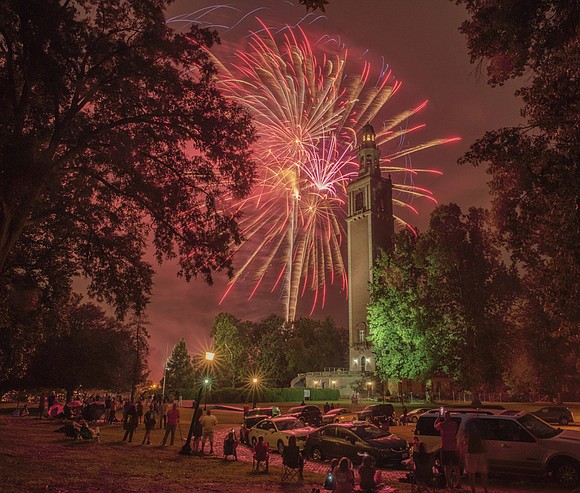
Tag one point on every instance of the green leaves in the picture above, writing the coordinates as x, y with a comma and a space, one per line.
439, 302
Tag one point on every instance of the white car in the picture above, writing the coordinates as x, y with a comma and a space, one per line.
276, 432
518, 443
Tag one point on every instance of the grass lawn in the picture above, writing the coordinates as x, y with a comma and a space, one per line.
33, 458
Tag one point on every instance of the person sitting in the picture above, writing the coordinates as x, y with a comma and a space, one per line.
343, 477
261, 454
291, 456
422, 465
369, 476
231, 446
329, 482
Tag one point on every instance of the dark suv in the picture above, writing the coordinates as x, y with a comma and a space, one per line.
377, 413
253, 417
555, 414
310, 415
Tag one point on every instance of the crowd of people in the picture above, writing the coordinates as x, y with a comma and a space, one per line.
156, 412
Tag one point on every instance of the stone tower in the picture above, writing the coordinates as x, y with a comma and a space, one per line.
370, 227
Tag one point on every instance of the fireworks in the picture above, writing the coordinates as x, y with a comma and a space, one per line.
309, 113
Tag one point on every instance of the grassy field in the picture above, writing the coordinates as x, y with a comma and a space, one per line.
33, 458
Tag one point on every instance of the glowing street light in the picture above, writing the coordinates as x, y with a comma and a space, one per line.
186, 449
369, 389
254, 388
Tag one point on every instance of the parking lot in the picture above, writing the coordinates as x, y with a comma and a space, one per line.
392, 475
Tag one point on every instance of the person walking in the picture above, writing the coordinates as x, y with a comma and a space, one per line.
208, 423
449, 451
150, 419
130, 422
474, 454
172, 422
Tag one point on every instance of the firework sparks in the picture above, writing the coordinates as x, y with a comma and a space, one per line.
309, 112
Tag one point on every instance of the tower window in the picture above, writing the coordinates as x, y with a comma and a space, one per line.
359, 201
362, 335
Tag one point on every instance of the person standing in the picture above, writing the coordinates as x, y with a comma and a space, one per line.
139, 410
172, 422
449, 451
149, 419
51, 400
326, 407
41, 405
130, 422
164, 411
113, 410
159, 411
197, 430
475, 455
208, 423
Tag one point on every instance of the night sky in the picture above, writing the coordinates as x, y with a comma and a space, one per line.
419, 39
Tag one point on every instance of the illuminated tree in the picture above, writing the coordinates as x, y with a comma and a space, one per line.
440, 302
113, 134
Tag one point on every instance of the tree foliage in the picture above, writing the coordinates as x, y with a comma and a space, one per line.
534, 168
113, 134
439, 302
90, 350
274, 350
179, 371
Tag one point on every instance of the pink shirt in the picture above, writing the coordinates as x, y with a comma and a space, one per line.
448, 429
173, 416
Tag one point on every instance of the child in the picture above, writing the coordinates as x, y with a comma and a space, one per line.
329, 482
230, 446
369, 476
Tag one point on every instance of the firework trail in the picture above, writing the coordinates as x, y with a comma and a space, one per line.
309, 113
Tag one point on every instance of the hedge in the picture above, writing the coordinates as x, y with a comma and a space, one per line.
230, 394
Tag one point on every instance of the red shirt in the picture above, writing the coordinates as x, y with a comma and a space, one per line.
448, 429
173, 416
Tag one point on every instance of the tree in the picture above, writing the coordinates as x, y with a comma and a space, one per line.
90, 350
440, 302
112, 131
179, 372
399, 326
534, 168
231, 348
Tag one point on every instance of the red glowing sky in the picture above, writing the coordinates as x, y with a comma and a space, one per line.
419, 39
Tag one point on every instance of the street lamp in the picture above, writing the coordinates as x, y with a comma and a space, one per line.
186, 449
254, 387
369, 389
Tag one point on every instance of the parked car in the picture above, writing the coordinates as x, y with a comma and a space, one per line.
310, 415
520, 443
276, 432
377, 413
555, 414
339, 415
413, 416
253, 417
353, 440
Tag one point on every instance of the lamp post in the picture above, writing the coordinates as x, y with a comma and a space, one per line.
254, 387
186, 449
206, 384
369, 389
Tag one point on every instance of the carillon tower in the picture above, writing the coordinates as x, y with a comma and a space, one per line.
370, 227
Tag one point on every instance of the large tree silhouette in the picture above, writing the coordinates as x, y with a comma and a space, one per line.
113, 135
